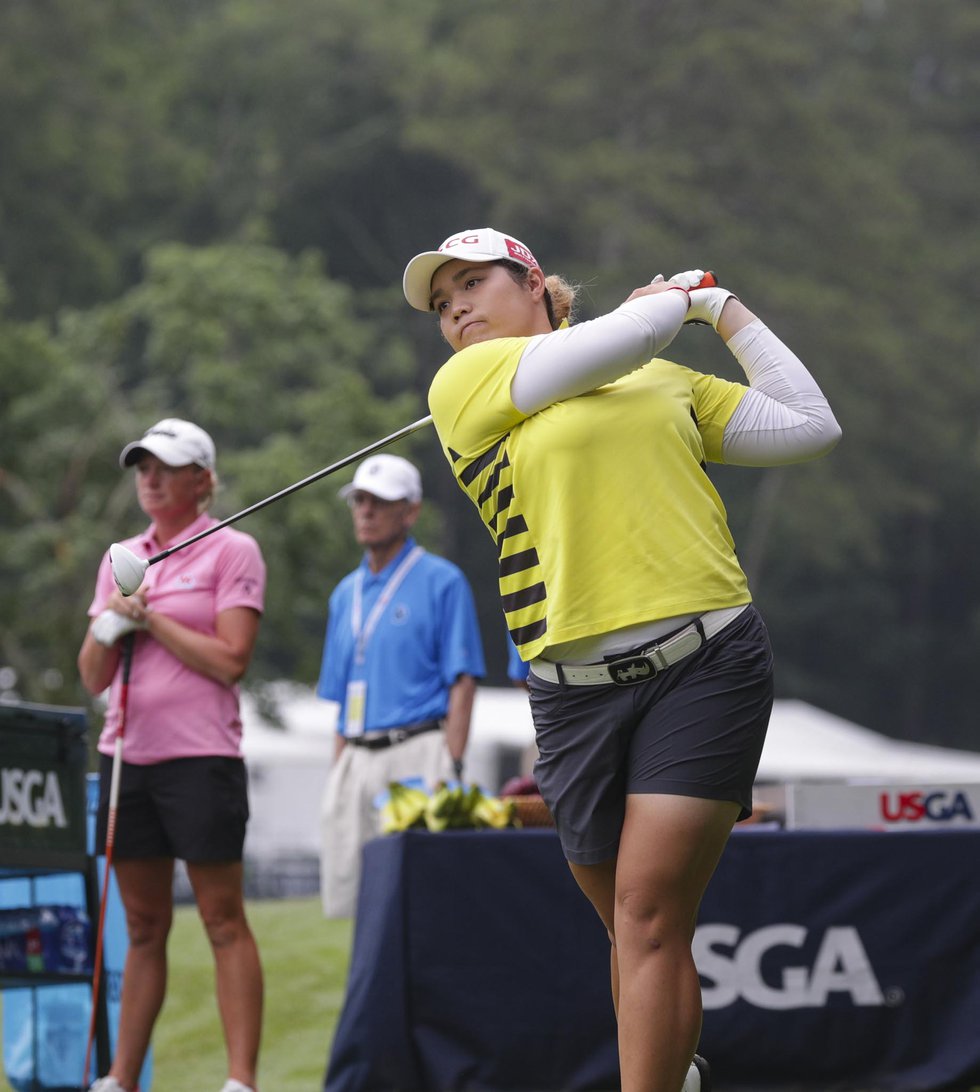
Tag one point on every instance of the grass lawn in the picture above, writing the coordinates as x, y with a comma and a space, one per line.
305, 959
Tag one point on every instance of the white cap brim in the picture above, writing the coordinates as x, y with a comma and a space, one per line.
375, 491
417, 279
165, 450
173, 441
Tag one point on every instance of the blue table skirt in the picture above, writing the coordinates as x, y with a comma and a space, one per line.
848, 959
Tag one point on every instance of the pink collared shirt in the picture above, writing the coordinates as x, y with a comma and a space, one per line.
174, 711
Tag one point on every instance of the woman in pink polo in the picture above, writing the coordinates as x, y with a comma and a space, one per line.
183, 791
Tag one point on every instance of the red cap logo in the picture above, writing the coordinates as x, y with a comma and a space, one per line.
460, 240
520, 253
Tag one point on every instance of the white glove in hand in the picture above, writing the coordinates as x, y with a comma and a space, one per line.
691, 279
109, 626
706, 304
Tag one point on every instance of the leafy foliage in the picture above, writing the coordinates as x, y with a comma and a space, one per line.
274, 359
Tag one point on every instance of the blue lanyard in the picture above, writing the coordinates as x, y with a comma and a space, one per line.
363, 631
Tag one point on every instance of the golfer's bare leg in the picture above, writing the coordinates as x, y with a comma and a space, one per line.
145, 888
598, 882
238, 971
669, 849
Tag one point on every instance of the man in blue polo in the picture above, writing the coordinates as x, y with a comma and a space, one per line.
402, 656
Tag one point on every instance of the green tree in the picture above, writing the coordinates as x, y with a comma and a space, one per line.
298, 107
91, 173
276, 361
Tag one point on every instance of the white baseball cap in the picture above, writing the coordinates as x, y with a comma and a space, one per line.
174, 442
389, 477
477, 245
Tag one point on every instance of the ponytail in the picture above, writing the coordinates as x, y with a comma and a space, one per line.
559, 295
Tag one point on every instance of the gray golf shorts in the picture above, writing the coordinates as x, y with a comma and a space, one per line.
194, 809
695, 729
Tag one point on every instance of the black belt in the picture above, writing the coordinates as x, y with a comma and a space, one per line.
381, 740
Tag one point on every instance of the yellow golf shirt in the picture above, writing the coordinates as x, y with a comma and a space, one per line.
600, 505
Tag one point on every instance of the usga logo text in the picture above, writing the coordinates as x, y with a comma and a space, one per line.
731, 967
32, 797
913, 807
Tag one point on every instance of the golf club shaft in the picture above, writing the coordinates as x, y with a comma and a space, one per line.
339, 465
110, 843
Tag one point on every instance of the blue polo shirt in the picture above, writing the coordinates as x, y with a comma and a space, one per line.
425, 639
517, 669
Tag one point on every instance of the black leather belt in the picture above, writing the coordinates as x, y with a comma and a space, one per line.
378, 741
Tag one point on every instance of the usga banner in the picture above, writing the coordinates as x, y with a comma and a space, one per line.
851, 958
43, 763
905, 805
827, 959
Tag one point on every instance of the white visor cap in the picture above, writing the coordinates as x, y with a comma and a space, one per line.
174, 442
478, 245
389, 477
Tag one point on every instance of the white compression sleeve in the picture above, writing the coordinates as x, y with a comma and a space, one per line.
784, 417
569, 362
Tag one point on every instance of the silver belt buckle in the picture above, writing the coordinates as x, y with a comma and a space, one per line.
634, 670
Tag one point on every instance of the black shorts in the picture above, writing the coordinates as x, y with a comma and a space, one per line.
194, 809
695, 729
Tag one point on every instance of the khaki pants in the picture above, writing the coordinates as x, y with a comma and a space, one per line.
348, 817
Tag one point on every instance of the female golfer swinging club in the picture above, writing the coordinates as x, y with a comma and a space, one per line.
650, 670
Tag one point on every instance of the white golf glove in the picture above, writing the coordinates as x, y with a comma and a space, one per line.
706, 303
109, 626
691, 279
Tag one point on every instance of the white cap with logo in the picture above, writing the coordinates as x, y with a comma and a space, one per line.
477, 245
386, 476
174, 442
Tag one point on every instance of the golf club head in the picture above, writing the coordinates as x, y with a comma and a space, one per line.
127, 569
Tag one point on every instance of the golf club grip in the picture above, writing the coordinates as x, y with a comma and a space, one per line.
127, 656
708, 280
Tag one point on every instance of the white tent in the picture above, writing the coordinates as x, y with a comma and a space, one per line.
288, 766
806, 743
803, 743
